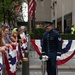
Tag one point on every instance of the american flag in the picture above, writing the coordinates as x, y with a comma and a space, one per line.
31, 7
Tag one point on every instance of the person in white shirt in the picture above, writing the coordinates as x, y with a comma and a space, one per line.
22, 32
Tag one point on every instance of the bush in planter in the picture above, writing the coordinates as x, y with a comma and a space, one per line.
68, 36
31, 34
39, 33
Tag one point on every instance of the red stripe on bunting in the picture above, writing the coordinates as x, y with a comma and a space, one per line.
6, 62
14, 47
20, 51
60, 62
24, 40
35, 47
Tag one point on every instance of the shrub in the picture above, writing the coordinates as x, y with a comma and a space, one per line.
39, 33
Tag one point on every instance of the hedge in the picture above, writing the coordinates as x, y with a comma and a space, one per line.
68, 36
39, 33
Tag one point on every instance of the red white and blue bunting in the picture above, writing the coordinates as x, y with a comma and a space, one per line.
10, 60
68, 50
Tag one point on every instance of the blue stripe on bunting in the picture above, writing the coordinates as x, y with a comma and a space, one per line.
67, 48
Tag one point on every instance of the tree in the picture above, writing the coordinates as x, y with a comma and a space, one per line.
7, 9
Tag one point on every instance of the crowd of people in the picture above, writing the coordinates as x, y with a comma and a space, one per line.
7, 38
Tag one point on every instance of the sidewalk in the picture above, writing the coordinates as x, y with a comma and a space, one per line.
36, 64
35, 67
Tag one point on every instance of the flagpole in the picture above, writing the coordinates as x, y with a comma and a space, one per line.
32, 5
29, 21
33, 18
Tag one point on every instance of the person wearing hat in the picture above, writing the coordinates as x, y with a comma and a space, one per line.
15, 29
51, 47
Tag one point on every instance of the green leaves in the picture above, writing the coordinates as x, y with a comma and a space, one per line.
7, 5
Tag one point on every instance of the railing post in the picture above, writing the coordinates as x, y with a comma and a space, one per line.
25, 62
26, 53
25, 66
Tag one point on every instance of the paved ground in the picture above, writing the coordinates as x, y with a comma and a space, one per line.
35, 63
60, 72
35, 67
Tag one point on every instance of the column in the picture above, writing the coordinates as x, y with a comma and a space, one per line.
62, 5
73, 12
56, 14
51, 8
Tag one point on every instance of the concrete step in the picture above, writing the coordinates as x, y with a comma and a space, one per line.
37, 67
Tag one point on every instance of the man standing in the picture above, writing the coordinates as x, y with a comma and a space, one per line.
52, 46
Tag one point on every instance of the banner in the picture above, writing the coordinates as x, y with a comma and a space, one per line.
68, 49
10, 60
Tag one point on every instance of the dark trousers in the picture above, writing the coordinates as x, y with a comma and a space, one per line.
51, 66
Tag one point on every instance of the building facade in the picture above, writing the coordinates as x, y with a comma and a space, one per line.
43, 10
63, 13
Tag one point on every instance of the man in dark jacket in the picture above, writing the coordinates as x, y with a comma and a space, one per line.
52, 46
67, 30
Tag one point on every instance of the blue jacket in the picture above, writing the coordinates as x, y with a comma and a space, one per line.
52, 43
